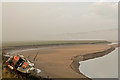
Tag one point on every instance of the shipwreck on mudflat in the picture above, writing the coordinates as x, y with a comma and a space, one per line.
21, 64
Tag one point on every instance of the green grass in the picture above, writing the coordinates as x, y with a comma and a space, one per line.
0, 65
45, 43
0, 70
10, 75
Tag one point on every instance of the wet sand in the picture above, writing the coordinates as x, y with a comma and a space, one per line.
63, 61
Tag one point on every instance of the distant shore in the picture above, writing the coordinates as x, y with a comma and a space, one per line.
63, 61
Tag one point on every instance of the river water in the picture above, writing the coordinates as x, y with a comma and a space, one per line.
102, 67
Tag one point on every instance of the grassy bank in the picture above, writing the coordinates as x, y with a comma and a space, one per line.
10, 75
0, 70
49, 43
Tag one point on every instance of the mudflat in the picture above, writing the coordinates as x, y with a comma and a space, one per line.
55, 62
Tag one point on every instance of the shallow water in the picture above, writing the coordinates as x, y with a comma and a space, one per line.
102, 67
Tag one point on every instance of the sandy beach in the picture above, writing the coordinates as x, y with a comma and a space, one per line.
63, 61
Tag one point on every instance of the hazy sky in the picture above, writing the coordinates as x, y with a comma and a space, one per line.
36, 21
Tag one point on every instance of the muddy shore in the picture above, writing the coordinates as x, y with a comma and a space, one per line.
63, 61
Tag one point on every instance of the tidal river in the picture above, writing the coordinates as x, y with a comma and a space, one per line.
102, 67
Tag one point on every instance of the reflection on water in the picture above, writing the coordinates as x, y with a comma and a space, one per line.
103, 67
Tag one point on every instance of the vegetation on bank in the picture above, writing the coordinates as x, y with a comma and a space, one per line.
10, 75
0, 64
50, 43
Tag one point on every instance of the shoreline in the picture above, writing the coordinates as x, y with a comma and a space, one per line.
75, 61
75, 64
